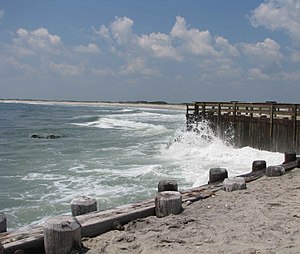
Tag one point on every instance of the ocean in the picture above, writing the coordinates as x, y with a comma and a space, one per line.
117, 154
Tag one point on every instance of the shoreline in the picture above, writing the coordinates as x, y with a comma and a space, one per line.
152, 105
264, 218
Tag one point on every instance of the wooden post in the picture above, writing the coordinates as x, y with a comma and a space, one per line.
62, 234
275, 171
203, 109
235, 183
83, 205
294, 126
258, 165
196, 109
219, 114
1, 248
3, 223
168, 202
289, 157
217, 175
167, 185
271, 126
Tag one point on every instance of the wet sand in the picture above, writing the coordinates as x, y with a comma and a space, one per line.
264, 218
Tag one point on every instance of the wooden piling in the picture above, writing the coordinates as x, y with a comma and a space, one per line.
217, 175
234, 183
168, 202
167, 185
82, 205
3, 223
258, 165
289, 157
1, 248
62, 234
272, 171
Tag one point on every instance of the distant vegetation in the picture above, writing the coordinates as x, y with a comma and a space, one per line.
146, 102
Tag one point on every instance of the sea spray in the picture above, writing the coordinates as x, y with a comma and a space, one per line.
194, 152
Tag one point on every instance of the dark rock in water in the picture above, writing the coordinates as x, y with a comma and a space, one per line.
53, 136
35, 136
50, 136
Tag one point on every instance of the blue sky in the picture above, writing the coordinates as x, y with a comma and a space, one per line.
171, 50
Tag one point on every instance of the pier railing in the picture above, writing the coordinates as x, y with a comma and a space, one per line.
273, 116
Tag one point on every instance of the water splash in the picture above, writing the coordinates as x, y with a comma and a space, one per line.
195, 152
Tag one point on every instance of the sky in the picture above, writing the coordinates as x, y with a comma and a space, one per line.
158, 50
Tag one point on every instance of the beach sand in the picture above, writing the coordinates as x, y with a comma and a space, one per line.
264, 218
101, 104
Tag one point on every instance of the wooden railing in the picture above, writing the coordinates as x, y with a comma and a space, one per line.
279, 121
265, 110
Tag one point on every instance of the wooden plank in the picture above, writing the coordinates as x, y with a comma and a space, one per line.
95, 223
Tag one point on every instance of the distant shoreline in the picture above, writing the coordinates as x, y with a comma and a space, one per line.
140, 104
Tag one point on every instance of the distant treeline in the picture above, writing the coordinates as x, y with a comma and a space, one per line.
93, 101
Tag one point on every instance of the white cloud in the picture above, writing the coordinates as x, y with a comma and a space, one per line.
1, 13
194, 41
103, 32
65, 69
266, 51
90, 48
159, 44
279, 14
121, 30
28, 42
225, 47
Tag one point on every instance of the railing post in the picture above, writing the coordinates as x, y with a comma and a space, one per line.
271, 120
196, 109
219, 114
294, 117
203, 109
271, 126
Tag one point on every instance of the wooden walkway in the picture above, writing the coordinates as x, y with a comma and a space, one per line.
269, 126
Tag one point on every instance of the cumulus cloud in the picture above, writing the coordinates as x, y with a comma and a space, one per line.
159, 44
182, 41
103, 32
121, 30
195, 41
90, 48
225, 47
279, 14
266, 51
28, 42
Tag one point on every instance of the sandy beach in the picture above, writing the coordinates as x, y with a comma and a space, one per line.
264, 218
100, 104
